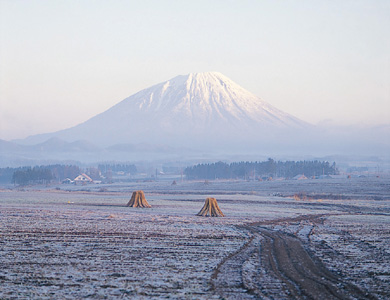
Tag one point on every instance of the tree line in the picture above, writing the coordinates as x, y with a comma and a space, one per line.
32, 175
127, 168
258, 170
38, 174
44, 174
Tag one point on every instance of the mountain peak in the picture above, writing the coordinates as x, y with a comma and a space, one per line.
207, 76
209, 79
187, 109
210, 73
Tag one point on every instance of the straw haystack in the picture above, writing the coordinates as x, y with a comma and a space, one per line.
210, 208
138, 200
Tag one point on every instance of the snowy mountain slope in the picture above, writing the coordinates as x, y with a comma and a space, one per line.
194, 109
201, 98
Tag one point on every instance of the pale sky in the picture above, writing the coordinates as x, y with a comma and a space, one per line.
62, 62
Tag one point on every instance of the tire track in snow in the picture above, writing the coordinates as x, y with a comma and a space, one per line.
276, 265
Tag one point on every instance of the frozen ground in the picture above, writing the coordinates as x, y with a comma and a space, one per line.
82, 242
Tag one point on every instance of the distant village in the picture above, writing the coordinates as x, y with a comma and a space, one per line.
109, 173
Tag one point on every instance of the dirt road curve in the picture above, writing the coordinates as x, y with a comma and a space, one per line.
276, 265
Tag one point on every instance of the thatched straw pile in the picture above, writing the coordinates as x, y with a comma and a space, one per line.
210, 208
138, 200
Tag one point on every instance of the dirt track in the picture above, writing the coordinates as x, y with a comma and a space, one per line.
276, 265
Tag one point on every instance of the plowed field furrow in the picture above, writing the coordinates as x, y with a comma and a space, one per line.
282, 269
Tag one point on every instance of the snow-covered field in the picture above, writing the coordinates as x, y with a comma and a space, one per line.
83, 242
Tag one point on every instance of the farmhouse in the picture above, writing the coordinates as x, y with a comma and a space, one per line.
300, 177
67, 181
83, 178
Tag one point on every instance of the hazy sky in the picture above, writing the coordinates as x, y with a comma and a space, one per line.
62, 62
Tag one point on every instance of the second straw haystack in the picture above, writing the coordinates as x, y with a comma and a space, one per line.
210, 208
138, 200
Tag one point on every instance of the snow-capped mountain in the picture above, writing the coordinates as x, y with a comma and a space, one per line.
188, 110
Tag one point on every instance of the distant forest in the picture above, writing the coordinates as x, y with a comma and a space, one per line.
132, 169
260, 170
38, 174
45, 174
218, 170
